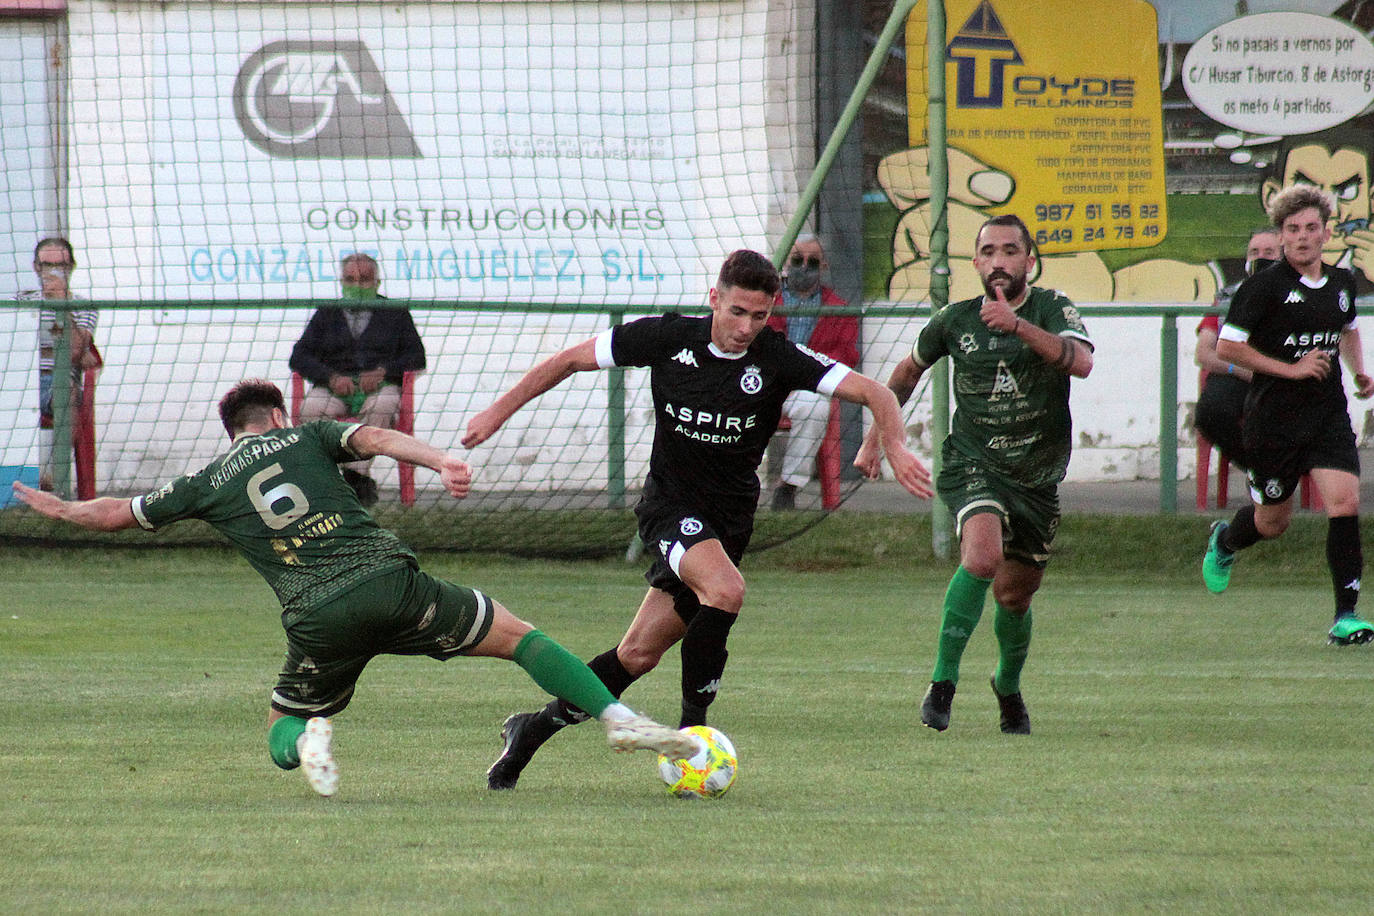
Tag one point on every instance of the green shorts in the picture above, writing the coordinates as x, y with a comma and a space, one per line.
403, 612
1030, 515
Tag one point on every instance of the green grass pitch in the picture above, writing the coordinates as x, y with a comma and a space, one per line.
1191, 753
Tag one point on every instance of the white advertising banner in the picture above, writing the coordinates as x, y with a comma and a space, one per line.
550, 151
524, 152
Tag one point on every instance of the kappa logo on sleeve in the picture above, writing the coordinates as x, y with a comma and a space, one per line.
319, 100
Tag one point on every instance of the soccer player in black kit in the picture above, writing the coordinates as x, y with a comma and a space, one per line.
718, 383
1288, 324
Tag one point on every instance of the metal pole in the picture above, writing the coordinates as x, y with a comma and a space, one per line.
62, 403
615, 431
941, 524
1168, 415
895, 20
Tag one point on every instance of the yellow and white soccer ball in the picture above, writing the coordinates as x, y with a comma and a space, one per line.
709, 773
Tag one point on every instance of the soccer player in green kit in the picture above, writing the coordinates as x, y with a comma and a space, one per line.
349, 589
1013, 351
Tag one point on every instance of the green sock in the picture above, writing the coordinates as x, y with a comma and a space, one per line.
281, 741
561, 673
1013, 642
963, 606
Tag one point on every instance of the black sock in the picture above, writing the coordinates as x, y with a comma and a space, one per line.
612, 673
1346, 559
1242, 532
703, 661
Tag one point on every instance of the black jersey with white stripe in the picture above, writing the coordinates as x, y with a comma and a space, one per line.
1283, 315
714, 411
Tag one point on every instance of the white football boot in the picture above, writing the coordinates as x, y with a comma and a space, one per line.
317, 759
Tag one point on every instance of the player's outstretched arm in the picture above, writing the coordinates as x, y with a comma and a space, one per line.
456, 474
887, 421
546, 375
105, 513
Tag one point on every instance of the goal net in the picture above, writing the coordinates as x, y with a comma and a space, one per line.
524, 173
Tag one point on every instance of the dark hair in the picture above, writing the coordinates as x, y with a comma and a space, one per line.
1008, 219
56, 241
745, 269
250, 401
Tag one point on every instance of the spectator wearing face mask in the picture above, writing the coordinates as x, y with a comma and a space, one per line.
835, 336
355, 359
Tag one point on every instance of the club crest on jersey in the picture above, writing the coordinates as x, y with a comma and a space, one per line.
1343, 300
751, 382
967, 343
689, 526
687, 357
1273, 488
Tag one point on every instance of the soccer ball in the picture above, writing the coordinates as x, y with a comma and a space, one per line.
709, 773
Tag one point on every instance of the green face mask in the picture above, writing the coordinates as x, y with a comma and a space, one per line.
359, 292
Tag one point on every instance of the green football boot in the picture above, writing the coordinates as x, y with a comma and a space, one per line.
1216, 564
1350, 631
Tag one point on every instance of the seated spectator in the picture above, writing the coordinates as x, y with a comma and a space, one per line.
54, 261
1221, 401
836, 336
355, 359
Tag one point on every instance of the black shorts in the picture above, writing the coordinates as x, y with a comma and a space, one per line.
669, 528
1275, 472
1220, 407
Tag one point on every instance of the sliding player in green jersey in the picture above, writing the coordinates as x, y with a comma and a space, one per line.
349, 589
1013, 351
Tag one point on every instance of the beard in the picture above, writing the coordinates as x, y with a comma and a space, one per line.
1015, 285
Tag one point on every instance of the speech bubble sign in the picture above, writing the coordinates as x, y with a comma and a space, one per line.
1281, 73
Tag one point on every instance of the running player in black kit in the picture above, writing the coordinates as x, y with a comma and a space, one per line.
718, 384
1288, 324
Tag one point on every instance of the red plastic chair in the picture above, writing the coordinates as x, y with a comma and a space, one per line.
828, 457
83, 437
405, 422
83, 434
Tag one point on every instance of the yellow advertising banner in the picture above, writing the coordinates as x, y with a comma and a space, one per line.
1053, 113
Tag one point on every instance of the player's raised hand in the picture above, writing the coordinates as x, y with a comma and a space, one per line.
456, 476
997, 313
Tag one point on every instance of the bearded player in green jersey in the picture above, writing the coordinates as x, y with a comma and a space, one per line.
349, 589
1013, 351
